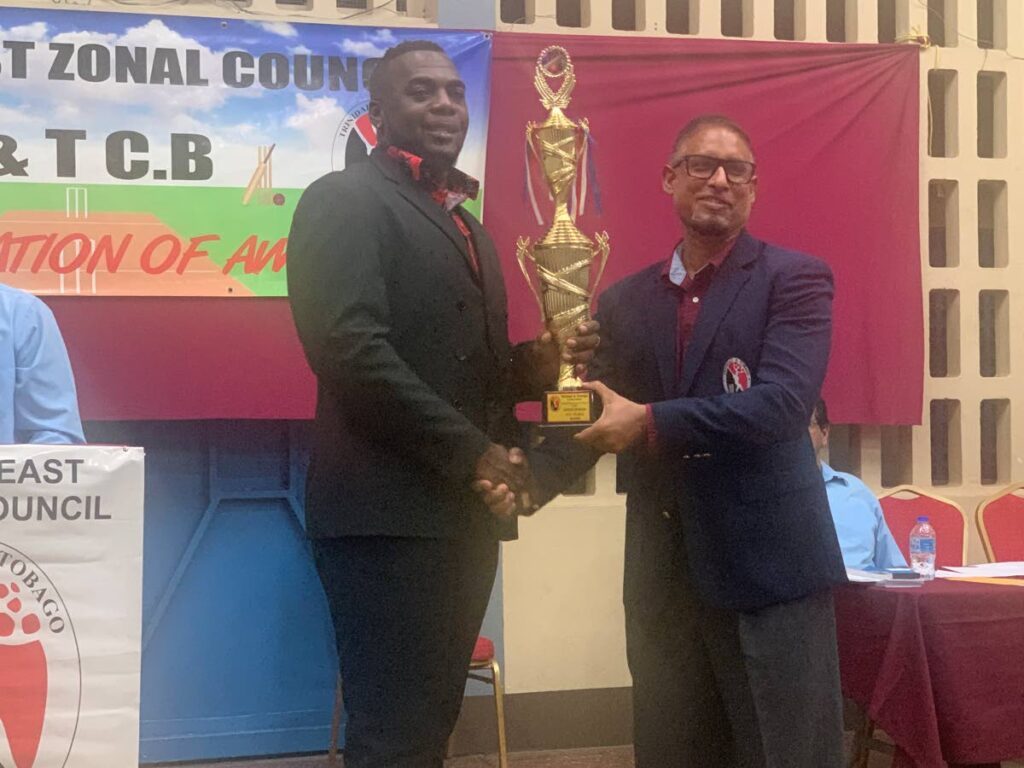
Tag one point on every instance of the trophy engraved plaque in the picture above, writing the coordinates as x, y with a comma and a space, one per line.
564, 258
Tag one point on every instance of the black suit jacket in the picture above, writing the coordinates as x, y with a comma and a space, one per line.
410, 349
736, 469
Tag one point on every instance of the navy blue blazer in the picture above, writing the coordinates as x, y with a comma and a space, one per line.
736, 467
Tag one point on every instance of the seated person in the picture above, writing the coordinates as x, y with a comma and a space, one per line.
38, 402
864, 536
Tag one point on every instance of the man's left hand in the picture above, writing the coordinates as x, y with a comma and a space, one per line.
622, 422
506, 495
579, 351
498, 498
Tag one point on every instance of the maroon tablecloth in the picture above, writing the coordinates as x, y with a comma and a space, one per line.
940, 668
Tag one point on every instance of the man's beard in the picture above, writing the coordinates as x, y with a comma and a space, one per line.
712, 227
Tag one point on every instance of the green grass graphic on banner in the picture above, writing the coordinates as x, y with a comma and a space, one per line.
170, 159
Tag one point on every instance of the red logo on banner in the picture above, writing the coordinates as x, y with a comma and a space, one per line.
40, 667
354, 140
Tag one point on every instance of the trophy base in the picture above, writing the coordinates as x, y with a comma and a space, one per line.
569, 408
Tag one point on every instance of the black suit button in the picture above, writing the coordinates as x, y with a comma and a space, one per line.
461, 305
461, 356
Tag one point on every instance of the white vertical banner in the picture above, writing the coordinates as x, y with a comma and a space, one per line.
70, 606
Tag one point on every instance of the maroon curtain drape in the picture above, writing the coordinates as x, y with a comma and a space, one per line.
835, 129
185, 358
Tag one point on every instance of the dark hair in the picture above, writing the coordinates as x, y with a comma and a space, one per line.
380, 78
701, 122
820, 414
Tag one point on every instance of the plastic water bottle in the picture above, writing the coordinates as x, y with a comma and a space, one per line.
922, 548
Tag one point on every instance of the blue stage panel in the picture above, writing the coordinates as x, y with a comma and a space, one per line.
238, 651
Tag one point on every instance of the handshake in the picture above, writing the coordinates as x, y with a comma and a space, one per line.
504, 482
502, 476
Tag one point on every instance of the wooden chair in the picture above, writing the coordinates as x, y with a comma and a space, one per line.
1001, 524
483, 667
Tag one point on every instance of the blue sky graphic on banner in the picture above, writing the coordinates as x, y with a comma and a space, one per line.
177, 119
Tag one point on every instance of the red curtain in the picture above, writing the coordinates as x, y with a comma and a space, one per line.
835, 128
835, 133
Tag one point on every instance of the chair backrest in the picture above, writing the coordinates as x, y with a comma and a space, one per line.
904, 504
1001, 524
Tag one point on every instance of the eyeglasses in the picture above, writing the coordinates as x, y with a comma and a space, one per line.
705, 166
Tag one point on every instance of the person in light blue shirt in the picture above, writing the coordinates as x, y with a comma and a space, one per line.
864, 535
38, 402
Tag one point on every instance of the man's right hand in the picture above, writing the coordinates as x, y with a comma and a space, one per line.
503, 480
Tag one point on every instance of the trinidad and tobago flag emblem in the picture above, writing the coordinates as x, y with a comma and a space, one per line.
735, 376
40, 667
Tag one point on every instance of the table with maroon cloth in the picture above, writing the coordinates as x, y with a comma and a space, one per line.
940, 668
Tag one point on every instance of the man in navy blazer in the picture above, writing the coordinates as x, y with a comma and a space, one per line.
710, 363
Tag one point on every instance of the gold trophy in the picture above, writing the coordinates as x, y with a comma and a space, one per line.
564, 257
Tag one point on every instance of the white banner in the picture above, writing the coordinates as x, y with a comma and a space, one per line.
70, 606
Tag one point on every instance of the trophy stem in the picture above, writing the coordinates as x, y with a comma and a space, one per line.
561, 214
567, 378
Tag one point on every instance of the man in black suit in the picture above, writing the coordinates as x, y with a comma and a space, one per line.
711, 360
398, 298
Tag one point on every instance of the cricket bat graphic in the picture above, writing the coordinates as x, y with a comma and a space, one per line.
257, 175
